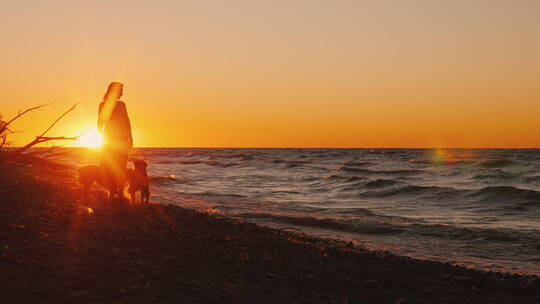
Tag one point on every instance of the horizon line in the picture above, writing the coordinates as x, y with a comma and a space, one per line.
285, 147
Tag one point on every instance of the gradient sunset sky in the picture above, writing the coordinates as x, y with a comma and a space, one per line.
417, 73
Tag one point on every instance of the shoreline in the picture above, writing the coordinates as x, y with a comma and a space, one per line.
58, 248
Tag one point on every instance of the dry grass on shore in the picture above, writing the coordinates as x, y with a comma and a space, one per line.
56, 248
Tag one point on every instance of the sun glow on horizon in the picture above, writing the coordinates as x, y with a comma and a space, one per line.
90, 139
297, 74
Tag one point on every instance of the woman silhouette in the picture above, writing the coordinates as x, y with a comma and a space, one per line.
113, 124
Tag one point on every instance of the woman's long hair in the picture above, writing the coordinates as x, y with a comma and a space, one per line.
114, 91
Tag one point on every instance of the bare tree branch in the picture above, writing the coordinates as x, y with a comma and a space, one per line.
5, 127
46, 138
61, 116
41, 138
18, 154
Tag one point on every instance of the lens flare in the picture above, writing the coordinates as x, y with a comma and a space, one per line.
452, 156
90, 139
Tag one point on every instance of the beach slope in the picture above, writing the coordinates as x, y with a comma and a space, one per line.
58, 248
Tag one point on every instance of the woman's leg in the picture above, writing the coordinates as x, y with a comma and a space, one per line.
120, 166
107, 169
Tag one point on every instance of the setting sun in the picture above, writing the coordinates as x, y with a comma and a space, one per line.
90, 139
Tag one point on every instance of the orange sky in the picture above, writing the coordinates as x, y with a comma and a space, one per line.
311, 73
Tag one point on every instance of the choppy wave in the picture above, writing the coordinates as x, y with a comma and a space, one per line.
506, 194
161, 179
532, 179
365, 225
380, 183
385, 172
291, 163
209, 162
344, 179
327, 223
409, 190
455, 202
496, 175
494, 163
356, 163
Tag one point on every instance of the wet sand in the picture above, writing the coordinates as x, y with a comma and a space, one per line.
58, 248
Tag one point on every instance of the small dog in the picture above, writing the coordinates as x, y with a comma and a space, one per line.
93, 173
138, 181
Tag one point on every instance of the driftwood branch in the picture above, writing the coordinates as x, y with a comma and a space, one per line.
5, 127
46, 138
41, 138
61, 116
28, 158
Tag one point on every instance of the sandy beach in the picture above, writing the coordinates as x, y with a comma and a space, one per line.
58, 248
